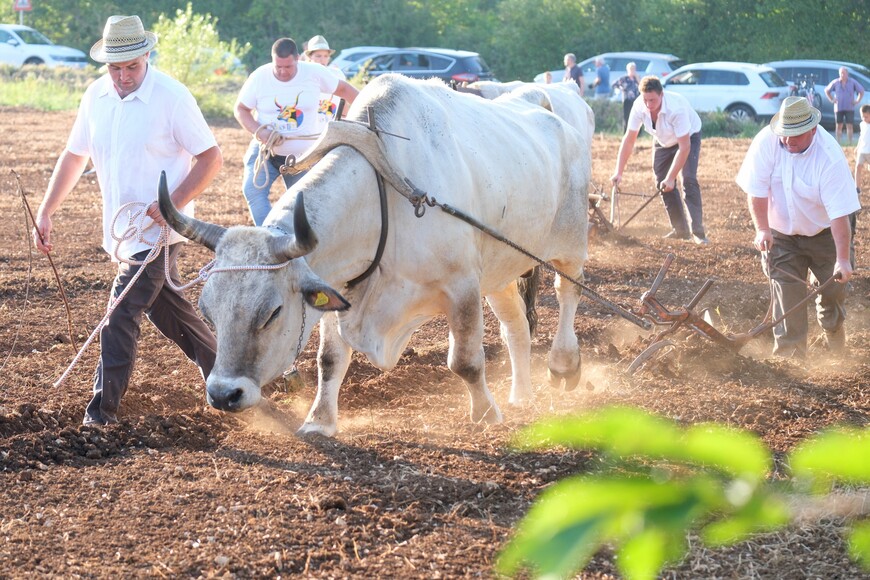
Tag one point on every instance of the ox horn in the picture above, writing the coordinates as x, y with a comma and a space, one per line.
193, 229
361, 138
303, 239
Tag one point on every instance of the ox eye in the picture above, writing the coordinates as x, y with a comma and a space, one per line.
273, 317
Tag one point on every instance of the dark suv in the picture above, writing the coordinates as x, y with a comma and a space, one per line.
824, 71
445, 64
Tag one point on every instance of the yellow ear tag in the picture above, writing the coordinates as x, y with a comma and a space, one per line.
321, 300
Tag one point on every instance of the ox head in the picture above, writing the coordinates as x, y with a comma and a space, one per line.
259, 315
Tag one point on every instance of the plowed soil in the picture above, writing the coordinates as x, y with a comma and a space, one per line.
409, 488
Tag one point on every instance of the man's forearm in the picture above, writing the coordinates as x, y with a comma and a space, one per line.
66, 174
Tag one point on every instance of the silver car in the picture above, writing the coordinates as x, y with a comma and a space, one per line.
648, 63
356, 54
824, 71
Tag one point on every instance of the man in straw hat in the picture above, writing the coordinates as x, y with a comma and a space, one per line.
278, 105
317, 50
800, 192
135, 122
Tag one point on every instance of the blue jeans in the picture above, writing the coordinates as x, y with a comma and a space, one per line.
258, 197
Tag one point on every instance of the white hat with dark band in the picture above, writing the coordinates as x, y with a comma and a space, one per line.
795, 117
124, 38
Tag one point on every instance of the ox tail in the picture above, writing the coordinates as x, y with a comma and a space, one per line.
528, 285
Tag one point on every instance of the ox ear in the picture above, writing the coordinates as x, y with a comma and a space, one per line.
322, 297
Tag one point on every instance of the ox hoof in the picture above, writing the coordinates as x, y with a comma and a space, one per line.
491, 416
520, 401
571, 380
315, 430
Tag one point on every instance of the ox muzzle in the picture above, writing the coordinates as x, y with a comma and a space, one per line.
232, 395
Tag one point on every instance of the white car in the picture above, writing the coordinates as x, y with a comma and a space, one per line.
20, 45
744, 90
648, 63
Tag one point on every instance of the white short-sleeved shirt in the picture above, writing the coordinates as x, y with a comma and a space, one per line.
291, 106
159, 127
328, 106
864, 139
805, 191
675, 119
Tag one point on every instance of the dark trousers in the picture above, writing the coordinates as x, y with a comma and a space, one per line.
663, 157
800, 255
167, 309
626, 110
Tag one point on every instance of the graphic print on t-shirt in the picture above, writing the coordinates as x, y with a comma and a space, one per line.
327, 107
289, 118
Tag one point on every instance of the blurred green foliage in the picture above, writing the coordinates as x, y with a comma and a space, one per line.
662, 481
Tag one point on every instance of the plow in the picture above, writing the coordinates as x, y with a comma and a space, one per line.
689, 318
599, 218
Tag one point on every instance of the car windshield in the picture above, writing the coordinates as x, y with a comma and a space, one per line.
32, 37
772, 79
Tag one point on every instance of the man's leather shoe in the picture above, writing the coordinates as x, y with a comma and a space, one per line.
674, 235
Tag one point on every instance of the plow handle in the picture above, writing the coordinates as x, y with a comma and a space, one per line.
661, 275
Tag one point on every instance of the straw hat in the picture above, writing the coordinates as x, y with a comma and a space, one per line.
124, 38
318, 43
795, 117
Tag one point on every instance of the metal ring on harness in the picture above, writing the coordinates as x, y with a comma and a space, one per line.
287, 166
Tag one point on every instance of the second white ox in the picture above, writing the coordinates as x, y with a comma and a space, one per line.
512, 165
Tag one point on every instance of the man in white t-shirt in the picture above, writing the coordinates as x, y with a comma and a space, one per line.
676, 131
281, 98
800, 193
317, 50
135, 122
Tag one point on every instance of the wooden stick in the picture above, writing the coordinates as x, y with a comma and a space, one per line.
72, 338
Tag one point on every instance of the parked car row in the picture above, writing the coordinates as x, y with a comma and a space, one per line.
743, 90
648, 63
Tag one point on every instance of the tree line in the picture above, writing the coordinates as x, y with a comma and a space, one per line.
518, 38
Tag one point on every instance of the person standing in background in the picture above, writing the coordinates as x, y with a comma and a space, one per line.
628, 86
602, 79
318, 51
573, 72
845, 93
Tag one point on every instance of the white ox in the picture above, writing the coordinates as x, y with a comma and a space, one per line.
512, 165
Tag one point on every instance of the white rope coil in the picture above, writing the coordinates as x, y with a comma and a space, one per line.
266, 151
